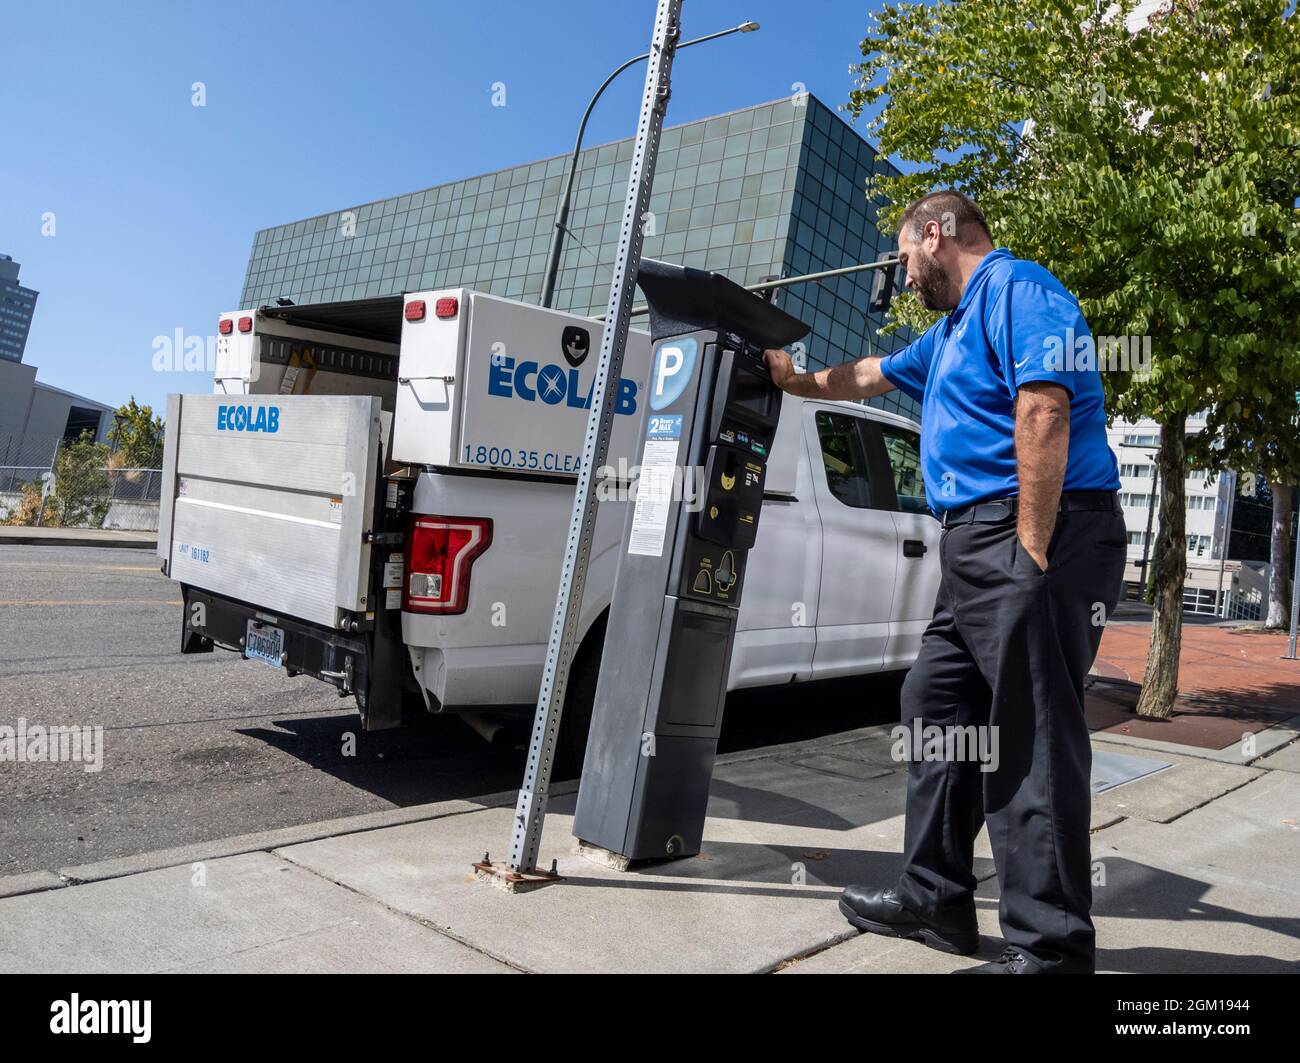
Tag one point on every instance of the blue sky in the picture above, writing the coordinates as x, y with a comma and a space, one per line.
310, 107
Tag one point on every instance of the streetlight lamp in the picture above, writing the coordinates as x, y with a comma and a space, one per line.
562, 209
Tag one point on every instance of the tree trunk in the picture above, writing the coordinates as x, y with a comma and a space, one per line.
1169, 567
1279, 558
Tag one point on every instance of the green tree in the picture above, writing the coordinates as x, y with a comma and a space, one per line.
81, 485
136, 436
1155, 171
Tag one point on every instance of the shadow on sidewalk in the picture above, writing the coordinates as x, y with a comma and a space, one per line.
1138, 892
1125, 910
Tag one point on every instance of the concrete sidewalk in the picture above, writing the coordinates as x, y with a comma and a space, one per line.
100, 537
1194, 869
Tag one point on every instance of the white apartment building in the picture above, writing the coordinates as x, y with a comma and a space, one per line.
1208, 498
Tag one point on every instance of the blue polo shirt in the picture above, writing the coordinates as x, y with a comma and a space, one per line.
1015, 323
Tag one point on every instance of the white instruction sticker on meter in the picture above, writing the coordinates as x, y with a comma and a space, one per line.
654, 498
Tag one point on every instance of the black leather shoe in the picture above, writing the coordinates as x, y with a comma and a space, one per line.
880, 911
1012, 961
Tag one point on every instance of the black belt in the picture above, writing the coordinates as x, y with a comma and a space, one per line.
1001, 509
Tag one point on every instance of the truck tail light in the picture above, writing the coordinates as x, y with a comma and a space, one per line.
415, 310
439, 553
245, 324
225, 326
446, 307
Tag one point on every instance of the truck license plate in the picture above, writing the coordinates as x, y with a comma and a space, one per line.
264, 643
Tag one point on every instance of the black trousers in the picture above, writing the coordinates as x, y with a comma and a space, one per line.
1008, 649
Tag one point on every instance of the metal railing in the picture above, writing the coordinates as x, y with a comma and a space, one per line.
1243, 605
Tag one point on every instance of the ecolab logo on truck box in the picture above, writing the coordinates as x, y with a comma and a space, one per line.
552, 384
248, 418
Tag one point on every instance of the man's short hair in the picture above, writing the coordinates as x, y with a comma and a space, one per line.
956, 214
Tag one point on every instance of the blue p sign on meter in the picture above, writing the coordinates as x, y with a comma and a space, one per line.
674, 365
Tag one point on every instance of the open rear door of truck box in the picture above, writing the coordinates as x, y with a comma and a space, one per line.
269, 499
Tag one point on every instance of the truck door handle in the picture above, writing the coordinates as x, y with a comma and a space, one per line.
914, 548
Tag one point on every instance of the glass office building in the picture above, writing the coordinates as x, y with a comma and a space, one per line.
17, 305
776, 189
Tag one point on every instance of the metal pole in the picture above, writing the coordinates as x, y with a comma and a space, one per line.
1151, 511
530, 812
1223, 550
782, 282
1295, 596
562, 208
560, 226
46, 484
785, 282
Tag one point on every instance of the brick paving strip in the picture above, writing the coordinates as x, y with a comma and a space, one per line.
1232, 682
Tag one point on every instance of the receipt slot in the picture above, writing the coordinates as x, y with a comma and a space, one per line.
711, 418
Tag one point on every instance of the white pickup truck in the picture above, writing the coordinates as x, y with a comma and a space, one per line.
377, 494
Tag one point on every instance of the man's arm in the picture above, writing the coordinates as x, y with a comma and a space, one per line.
861, 379
1042, 446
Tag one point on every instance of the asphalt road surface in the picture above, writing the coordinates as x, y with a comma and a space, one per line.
208, 746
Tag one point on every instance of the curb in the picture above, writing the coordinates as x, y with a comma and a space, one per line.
59, 540
261, 841
268, 841
29, 882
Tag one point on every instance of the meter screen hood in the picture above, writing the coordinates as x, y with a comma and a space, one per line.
685, 300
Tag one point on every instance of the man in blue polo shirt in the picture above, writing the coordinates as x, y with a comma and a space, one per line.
1016, 466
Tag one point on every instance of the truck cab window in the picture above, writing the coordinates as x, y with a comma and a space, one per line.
904, 451
844, 458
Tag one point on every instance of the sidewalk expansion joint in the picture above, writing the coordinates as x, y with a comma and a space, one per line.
1184, 812
846, 935
417, 920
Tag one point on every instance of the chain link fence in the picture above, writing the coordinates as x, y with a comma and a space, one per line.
58, 483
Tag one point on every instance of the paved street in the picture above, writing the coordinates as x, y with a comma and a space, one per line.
208, 746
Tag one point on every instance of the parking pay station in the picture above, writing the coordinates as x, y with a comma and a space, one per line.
712, 406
